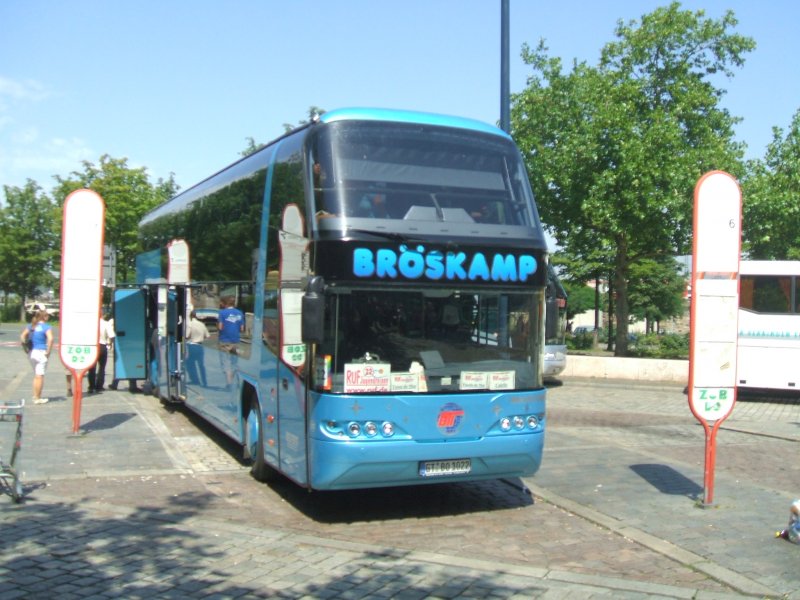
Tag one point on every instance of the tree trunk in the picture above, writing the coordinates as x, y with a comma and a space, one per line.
610, 330
596, 311
621, 304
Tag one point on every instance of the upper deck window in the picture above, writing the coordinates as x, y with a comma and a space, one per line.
402, 172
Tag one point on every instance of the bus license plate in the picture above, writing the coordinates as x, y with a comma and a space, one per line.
439, 468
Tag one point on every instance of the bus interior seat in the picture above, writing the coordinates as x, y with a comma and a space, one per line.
421, 213
457, 215
431, 359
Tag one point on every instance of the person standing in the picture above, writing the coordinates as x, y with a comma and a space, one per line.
196, 334
41, 335
231, 325
105, 340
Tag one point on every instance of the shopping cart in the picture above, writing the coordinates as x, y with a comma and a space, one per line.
11, 412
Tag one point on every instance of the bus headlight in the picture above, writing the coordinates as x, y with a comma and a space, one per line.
387, 429
533, 422
354, 429
519, 422
505, 424
370, 429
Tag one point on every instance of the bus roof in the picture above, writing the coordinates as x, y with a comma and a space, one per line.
769, 267
407, 116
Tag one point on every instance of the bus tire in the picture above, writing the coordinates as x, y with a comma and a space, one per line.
254, 443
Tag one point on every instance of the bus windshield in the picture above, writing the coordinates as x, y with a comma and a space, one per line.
412, 173
400, 341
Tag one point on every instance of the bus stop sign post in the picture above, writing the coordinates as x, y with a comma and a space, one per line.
714, 309
81, 277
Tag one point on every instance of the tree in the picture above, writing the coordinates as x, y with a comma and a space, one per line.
614, 151
27, 241
128, 196
580, 298
313, 113
656, 291
771, 207
253, 146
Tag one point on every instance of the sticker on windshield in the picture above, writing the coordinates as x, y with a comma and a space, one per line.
487, 380
367, 377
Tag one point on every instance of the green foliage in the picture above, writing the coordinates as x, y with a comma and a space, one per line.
11, 311
252, 146
671, 345
27, 240
580, 298
583, 340
656, 290
771, 207
312, 113
614, 151
128, 196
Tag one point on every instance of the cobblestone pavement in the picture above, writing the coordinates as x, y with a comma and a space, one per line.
148, 502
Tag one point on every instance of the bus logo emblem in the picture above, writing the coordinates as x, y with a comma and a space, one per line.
450, 417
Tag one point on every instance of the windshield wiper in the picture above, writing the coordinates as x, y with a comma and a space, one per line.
386, 235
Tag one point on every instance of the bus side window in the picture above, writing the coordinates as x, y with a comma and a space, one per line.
771, 294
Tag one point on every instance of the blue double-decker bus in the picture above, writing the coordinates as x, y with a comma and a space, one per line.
391, 269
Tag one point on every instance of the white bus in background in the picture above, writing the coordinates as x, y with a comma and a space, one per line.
555, 345
769, 325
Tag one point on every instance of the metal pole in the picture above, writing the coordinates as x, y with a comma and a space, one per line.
505, 104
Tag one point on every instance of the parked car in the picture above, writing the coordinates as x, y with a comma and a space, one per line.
209, 316
583, 330
33, 307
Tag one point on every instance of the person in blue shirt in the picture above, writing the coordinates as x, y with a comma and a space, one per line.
41, 334
231, 325
373, 206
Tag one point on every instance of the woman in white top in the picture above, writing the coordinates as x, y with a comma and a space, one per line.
196, 334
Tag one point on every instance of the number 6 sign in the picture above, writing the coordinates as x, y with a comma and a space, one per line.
715, 305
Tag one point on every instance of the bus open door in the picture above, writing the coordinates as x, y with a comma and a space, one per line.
131, 353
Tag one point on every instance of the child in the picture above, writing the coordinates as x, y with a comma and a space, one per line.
792, 531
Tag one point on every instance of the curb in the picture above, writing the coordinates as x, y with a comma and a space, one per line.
722, 574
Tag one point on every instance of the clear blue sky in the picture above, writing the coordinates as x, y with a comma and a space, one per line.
178, 85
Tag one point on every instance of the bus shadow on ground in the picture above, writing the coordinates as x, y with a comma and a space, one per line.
763, 395
667, 480
403, 502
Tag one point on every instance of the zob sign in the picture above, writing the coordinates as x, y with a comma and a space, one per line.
81, 275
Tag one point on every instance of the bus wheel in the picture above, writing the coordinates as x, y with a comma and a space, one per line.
254, 443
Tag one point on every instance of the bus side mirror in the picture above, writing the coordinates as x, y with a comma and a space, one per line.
314, 311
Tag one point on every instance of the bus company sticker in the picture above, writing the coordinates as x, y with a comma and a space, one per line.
450, 417
367, 377
501, 380
473, 380
405, 382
